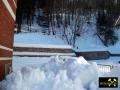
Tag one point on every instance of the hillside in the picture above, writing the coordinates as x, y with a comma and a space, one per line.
88, 41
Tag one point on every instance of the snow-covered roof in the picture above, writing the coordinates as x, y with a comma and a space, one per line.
35, 44
38, 40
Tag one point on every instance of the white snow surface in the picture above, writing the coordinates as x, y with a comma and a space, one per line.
37, 38
20, 62
88, 41
59, 73
116, 48
109, 61
42, 45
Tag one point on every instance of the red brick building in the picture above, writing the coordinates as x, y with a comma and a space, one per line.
7, 23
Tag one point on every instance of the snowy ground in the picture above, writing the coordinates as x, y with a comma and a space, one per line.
37, 38
87, 42
61, 73
114, 73
90, 42
110, 61
19, 62
52, 73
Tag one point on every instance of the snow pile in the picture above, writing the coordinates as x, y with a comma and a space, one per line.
60, 73
20, 62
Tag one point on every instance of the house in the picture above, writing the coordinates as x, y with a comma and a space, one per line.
7, 19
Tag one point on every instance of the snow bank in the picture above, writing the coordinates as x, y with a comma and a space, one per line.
60, 73
20, 62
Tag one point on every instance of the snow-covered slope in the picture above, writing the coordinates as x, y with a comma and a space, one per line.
116, 48
88, 41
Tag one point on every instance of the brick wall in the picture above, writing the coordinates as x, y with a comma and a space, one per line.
6, 34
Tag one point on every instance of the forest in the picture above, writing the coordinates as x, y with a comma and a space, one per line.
68, 17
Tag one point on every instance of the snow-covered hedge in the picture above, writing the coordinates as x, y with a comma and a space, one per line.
60, 73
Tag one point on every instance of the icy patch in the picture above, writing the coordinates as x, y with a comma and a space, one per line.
60, 73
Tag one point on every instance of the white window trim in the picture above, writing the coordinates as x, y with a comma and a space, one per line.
5, 48
5, 58
7, 5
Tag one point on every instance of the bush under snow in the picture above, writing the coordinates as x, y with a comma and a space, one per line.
60, 73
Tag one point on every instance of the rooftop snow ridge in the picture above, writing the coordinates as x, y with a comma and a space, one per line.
41, 45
